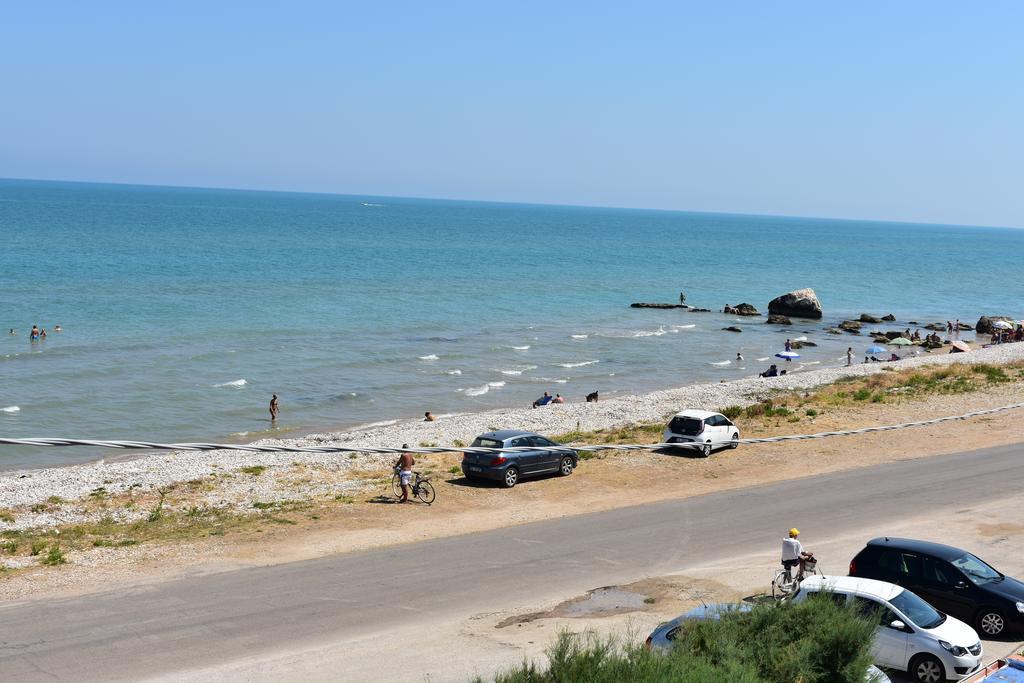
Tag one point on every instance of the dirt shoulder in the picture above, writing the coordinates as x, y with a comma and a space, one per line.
189, 537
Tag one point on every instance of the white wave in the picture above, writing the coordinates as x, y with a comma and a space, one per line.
495, 384
761, 360
556, 380
374, 425
649, 333
478, 391
724, 362
517, 370
371, 204
812, 362
432, 356
236, 383
453, 372
520, 348
10, 409
579, 336
577, 365
804, 338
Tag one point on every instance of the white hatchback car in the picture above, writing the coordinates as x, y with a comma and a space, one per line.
913, 636
714, 430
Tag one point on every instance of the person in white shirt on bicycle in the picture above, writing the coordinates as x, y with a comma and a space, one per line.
793, 553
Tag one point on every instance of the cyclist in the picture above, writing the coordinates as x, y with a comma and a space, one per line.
793, 553
404, 466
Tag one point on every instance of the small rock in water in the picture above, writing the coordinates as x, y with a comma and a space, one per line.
731, 328
889, 318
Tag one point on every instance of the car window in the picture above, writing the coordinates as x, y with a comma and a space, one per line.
521, 441
977, 571
938, 571
881, 614
917, 610
900, 564
487, 443
541, 441
686, 425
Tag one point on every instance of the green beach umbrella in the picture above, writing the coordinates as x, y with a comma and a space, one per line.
901, 341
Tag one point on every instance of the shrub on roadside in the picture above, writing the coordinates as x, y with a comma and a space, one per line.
732, 412
815, 641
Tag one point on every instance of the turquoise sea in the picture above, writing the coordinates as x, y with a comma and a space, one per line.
183, 310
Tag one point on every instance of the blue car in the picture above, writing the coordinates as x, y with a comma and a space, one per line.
509, 468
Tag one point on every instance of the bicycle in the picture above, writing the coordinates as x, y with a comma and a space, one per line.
420, 487
785, 584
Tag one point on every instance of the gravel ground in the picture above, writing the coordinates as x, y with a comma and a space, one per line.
292, 476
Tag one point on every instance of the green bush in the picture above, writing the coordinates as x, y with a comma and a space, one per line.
811, 412
732, 412
813, 642
862, 395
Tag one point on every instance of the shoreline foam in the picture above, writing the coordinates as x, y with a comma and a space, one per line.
152, 470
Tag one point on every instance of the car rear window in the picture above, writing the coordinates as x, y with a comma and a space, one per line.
686, 425
487, 443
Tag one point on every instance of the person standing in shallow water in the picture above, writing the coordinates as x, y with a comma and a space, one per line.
849, 356
273, 408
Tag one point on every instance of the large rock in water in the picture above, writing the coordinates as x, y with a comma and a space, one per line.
984, 325
803, 303
778, 320
746, 309
850, 326
868, 318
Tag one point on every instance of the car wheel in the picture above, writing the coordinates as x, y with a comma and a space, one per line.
735, 438
927, 669
705, 450
567, 466
511, 477
990, 622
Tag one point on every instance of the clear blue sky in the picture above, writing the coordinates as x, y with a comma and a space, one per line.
898, 110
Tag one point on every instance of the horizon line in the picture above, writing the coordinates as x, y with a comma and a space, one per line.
515, 203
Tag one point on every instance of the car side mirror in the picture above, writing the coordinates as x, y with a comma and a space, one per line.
898, 625
961, 585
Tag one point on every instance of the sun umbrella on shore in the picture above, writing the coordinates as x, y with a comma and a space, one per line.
1002, 325
875, 349
788, 355
900, 341
960, 346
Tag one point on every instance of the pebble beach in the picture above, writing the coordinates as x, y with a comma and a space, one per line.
288, 475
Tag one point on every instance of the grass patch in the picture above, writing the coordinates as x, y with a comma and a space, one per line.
54, 557
10, 547
108, 543
862, 394
811, 412
263, 506
38, 546
254, 470
458, 443
55, 500
454, 469
6, 516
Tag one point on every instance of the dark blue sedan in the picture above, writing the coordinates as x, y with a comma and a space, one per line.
509, 467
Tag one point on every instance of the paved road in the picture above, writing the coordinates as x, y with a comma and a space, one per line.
200, 621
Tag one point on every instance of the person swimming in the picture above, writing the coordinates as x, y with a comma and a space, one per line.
34, 334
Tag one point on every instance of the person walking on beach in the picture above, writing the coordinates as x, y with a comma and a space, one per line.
849, 356
404, 466
273, 408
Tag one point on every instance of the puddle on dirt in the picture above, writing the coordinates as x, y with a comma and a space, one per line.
607, 600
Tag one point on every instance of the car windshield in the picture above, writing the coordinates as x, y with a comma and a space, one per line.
917, 610
487, 443
977, 571
686, 425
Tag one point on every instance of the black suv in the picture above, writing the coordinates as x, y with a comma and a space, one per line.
952, 580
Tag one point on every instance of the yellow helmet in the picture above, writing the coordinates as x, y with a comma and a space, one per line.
794, 532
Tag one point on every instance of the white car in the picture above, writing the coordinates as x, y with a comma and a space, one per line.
913, 636
714, 430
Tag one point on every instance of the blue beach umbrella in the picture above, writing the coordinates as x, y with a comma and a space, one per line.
875, 349
788, 355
